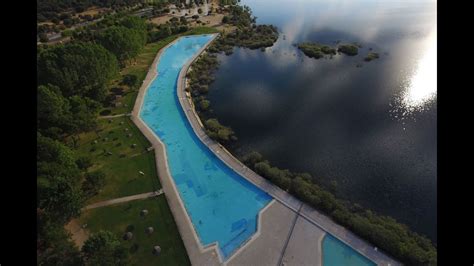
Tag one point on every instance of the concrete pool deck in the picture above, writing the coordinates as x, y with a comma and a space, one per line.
289, 232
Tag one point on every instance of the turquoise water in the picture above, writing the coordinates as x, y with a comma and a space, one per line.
223, 206
336, 253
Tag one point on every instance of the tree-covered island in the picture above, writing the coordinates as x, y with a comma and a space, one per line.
316, 50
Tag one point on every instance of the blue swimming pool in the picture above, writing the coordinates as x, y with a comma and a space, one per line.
222, 205
336, 253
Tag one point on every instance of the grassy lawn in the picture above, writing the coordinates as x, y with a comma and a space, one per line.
201, 30
123, 166
118, 218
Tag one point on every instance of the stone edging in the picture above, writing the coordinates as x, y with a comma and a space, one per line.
198, 254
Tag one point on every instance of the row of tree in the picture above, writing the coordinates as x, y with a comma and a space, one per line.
200, 76
171, 27
385, 232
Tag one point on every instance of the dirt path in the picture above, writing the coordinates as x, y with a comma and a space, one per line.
78, 234
113, 116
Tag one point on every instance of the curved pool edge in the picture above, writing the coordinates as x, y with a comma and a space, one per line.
304, 210
197, 253
360, 259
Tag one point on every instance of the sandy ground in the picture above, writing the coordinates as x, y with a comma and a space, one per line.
92, 11
161, 19
213, 20
78, 234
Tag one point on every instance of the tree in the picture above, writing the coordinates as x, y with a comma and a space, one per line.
84, 113
77, 69
59, 191
204, 105
252, 158
123, 42
199, 10
225, 19
103, 248
137, 24
54, 115
54, 246
84, 163
43, 37
68, 22
183, 20
130, 80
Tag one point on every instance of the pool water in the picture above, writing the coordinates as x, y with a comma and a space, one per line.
222, 205
336, 253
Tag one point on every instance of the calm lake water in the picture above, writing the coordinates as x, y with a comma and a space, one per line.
372, 129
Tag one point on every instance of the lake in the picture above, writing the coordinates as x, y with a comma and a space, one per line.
370, 131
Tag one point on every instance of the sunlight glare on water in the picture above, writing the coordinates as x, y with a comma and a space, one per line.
423, 84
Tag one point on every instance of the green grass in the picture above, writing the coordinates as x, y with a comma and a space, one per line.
117, 218
122, 177
201, 30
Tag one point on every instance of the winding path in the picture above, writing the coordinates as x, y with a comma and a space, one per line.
114, 116
124, 199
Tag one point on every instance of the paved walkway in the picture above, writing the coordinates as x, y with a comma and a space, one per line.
124, 199
114, 116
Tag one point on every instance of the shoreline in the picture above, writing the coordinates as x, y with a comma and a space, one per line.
209, 254
307, 212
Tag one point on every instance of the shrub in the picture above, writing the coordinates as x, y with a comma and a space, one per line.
130, 80
348, 49
204, 105
93, 182
371, 56
84, 163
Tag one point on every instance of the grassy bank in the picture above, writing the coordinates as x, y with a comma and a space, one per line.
122, 166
